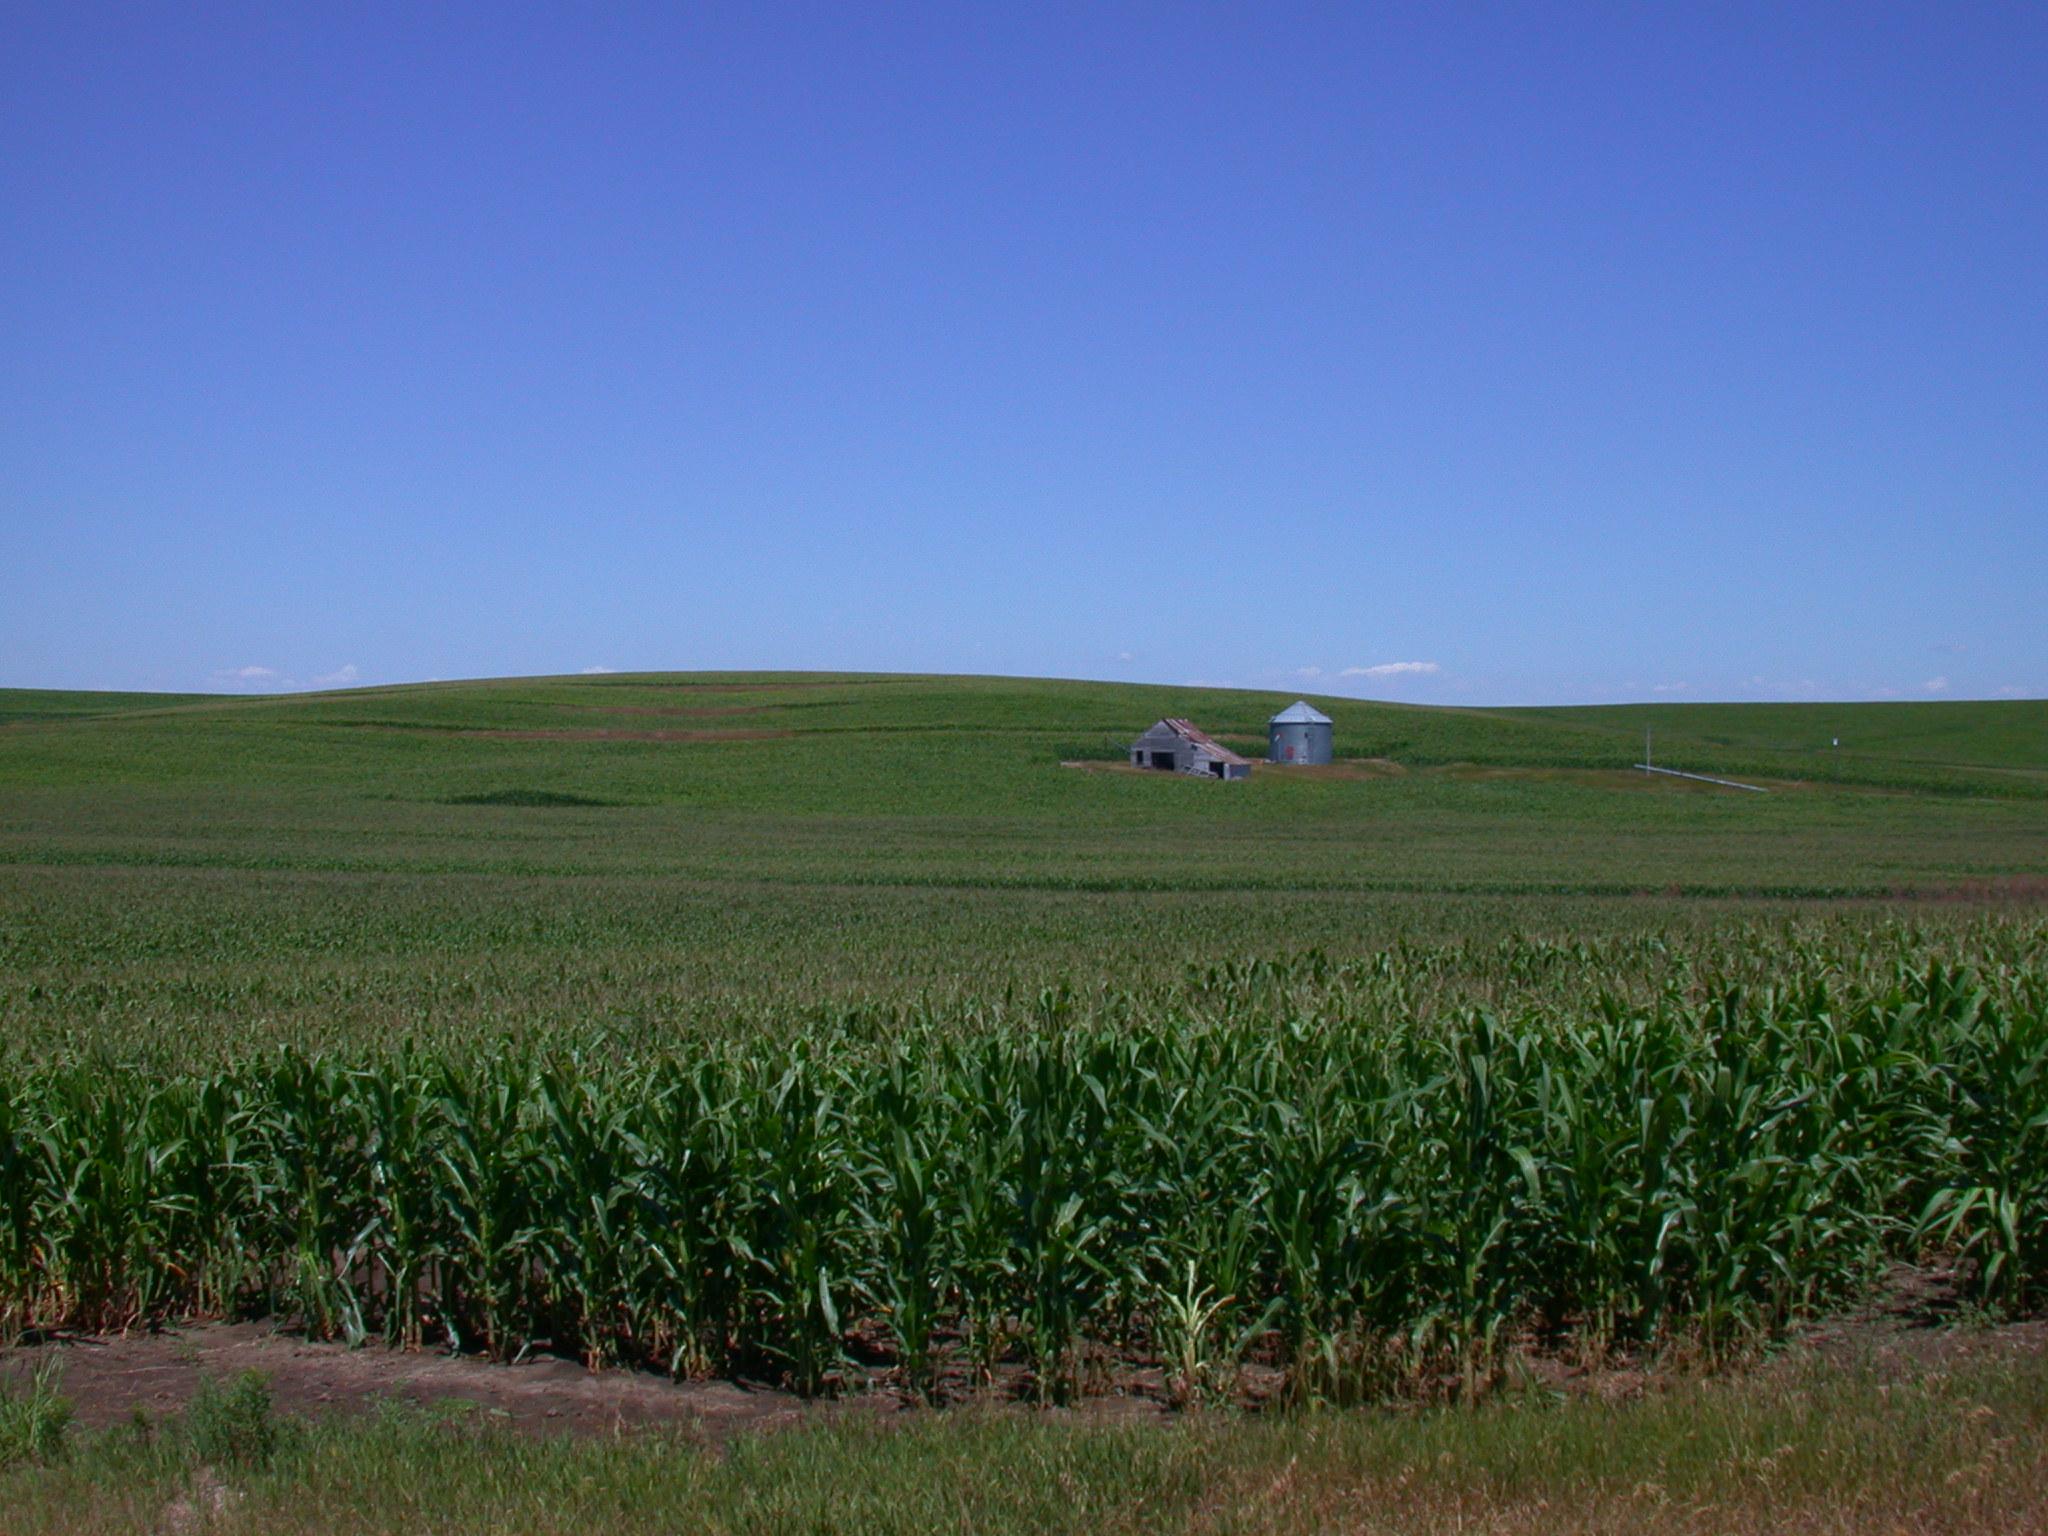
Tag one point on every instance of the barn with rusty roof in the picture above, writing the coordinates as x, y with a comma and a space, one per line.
1177, 746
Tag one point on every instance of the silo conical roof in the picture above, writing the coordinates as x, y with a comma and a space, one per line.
1300, 712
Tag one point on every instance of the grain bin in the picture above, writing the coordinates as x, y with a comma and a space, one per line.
1299, 734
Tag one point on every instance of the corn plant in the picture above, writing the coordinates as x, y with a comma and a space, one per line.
912, 1274
1370, 1203
486, 1163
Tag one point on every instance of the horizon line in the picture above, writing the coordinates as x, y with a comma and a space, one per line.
597, 674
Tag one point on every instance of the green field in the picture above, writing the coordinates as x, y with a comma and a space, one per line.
859, 1031
653, 853
806, 839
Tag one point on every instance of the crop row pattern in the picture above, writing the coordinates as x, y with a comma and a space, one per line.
1620, 1174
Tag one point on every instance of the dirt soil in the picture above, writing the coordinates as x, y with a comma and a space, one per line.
108, 1378
1914, 1324
673, 711
1917, 1320
601, 734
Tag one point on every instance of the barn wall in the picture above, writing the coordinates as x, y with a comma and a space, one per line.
1157, 740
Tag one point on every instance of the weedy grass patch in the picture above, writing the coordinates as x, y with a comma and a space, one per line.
34, 1415
1848, 1448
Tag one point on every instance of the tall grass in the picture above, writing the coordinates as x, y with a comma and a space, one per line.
1840, 1448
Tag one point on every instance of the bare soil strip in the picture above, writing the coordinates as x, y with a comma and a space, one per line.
601, 734
1910, 1326
107, 1379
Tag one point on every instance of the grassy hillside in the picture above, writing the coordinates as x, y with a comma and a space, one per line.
919, 781
594, 722
1995, 746
654, 851
27, 704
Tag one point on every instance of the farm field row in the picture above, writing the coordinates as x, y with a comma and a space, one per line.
1258, 1173
522, 857
766, 1025
189, 966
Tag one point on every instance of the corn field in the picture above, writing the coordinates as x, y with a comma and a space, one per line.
1340, 1199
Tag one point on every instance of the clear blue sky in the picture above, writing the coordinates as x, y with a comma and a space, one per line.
1550, 353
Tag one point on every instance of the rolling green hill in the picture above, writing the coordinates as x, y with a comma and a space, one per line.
918, 780
1994, 748
656, 848
32, 704
1960, 744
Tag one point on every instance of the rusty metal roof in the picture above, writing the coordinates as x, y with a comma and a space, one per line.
1188, 731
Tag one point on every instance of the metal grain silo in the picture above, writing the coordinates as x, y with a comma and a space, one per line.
1299, 734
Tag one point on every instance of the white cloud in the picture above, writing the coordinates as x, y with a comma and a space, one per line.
1393, 669
1308, 671
598, 671
340, 677
1935, 685
1670, 687
1126, 656
260, 679
2010, 692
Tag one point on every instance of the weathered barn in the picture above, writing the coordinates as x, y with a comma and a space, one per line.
1300, 734
1176, 746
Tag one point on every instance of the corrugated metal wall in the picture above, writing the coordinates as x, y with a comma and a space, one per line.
1300, 742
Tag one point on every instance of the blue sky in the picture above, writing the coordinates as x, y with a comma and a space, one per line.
1538, 354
